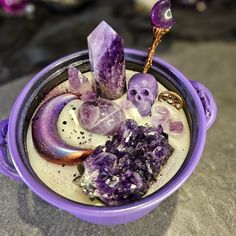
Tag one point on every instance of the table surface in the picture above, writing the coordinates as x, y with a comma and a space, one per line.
205, 205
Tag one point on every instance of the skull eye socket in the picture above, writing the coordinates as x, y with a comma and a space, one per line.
145, 92
133, 92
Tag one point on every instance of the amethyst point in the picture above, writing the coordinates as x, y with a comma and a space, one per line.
106, 54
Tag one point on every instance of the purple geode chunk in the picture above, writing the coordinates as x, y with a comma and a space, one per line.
79, 85
161, 15
106, 54
123, 169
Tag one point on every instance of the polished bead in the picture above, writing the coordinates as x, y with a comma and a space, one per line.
161, 15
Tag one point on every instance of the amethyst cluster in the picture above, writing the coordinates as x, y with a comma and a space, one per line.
79, 84
123, 169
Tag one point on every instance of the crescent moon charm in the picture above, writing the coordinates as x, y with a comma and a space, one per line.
45, 134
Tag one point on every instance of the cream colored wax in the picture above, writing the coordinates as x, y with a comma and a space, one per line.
59, 178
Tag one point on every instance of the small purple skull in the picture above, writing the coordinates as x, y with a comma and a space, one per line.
142, 91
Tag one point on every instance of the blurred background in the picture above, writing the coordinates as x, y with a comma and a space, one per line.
34, 33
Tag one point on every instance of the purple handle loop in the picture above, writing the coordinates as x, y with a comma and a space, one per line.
208, 102
6, 167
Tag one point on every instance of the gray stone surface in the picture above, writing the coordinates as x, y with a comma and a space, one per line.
205, 205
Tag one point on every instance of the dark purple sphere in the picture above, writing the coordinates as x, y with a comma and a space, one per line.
161, 15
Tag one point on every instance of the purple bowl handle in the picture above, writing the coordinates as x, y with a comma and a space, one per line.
6, 167
208, 102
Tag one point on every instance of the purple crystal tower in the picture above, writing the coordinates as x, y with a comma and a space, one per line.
106, 54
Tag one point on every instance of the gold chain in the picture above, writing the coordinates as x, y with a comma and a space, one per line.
158, 34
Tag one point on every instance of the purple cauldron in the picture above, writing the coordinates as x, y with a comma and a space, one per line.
199, 106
